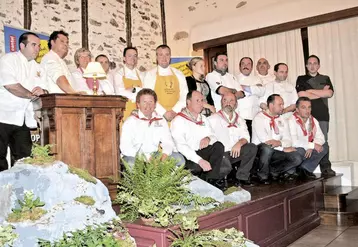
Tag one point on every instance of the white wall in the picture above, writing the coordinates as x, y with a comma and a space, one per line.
212, 19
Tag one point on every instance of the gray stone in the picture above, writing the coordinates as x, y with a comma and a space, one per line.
146, 18
240, 4
67, 6
154, 16
51, 2
55, 19
154, 25
57, 188
113, 22
76, 9
120, 1
191, 8
95, 23
181, 35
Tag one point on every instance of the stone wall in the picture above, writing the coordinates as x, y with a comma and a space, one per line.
51, 15
10, 14
107, 28
106, 24
146, 30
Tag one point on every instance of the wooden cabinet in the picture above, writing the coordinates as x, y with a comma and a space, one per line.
85, 131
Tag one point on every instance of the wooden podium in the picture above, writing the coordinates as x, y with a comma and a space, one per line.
85, 131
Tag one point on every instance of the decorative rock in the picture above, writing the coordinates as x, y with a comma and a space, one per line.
95, 23
57, 188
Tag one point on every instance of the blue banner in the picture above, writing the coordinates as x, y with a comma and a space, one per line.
12, 36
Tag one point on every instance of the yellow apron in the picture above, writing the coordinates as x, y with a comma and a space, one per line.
167, 89
130, 83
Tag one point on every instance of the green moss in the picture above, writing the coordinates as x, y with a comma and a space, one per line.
231, 190
87, 200
7, 235
220, 207
33, 214
82, 174
40, 155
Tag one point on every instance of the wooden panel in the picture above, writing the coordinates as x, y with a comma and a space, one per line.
266, 223
103, 125
72, 123
301, 207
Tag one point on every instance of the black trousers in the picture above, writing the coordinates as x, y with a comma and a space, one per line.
274, 162
18, 138
249, 127
214, 155
325, 163
246, 159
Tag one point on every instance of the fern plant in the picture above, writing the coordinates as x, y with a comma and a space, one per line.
152, 188
7, 235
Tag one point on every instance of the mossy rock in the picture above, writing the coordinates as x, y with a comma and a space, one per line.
40, 155
33, 214
231, 190
84, 174
87, 200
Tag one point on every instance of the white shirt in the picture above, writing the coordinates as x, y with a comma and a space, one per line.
262, 132
54, 67
266, 78
216, 80
298, 137
285, 89
187, 136
119, 84
150, 79
139, 136
249, 106
15, 68
229, 136
79, 84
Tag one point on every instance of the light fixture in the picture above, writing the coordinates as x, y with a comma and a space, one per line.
94, 70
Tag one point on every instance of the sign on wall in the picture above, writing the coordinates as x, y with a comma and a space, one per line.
12, 35
180, 63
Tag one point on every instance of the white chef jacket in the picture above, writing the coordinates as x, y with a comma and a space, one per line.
119, 84
285, 89
140, 137
249, 106
229, 136
150, 79
187, 135
266, 78
79, 84
15, 68
298, 137
54, 67
262, 132
215, 80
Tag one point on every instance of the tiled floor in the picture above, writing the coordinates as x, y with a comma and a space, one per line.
329, 236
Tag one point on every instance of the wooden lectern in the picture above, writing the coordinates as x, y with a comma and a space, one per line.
85, 131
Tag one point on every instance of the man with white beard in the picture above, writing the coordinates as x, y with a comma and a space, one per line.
231, 131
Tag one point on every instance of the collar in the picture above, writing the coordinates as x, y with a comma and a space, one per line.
220, 72
233, 122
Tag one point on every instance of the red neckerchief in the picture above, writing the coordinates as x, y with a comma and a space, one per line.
233, 124
150, 121
183, 115
272, 122
312, 130
90, 81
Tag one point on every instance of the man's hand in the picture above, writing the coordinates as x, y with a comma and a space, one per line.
235, 151
204, 142
205, 165
273, 143
37, 91
211, 108
318, 148
308, 153
327, 87
289, 150
239, 94
164, 157
169, 115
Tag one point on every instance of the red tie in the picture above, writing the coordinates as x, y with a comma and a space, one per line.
191, 120
150, 121
303, 128
233, 124
272, 122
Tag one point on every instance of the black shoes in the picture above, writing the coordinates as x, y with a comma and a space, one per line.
218, 183
328, 173
307, 175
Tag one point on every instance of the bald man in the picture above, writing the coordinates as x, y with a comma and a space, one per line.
262, 68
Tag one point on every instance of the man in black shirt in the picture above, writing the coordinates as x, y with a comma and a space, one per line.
318, 88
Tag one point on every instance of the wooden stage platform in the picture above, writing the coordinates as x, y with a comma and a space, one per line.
277, 215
